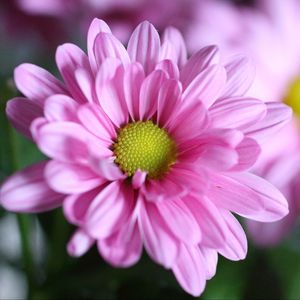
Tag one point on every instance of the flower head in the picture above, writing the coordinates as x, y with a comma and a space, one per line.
147, 148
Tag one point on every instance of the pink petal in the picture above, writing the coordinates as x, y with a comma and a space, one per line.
229, 137
277, 116
44, 8
36, 83
149, 94
168, 101
64, 141
215, 136
106, 45
138, 179
123, 248
70, 178
110, 210
215, 149
60, 108
282, 170
133, 79
174, 37
193, 115
80, 243
189, 270
144, 46
249, 196
85, 82
169, 67
211, 260
217, 157
27, 191
207, 86
107, 71
111, 97
210, 220
240, 76
164, 189
75, 206
96, 27
98, 150
180, 221
106, 169
36, 125
248, 152
96, 122
69, 58
159, 241
167, 51
237, 112
190, 176
21, 112
198, 62
235, 247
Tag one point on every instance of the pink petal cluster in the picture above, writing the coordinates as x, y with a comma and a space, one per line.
267, 33
184, 219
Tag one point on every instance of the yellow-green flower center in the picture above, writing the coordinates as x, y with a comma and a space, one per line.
144, 146
293, 97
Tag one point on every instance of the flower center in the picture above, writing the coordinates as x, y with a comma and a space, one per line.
293, 97
144, 146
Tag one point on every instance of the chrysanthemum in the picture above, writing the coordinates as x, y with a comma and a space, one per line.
267, 32
147, 149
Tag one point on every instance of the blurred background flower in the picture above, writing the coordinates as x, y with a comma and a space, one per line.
123, 16
266, 32
32, 250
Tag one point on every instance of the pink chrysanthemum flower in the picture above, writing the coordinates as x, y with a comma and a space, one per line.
267, 32
147, 149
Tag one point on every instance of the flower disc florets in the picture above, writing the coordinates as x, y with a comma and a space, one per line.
144, 146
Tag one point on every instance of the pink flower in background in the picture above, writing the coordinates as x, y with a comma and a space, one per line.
267, 33
26, 36
147, 148
123, 15
19, 26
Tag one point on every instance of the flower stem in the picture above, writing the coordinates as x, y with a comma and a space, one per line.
10, 161
60, 233
24, 223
